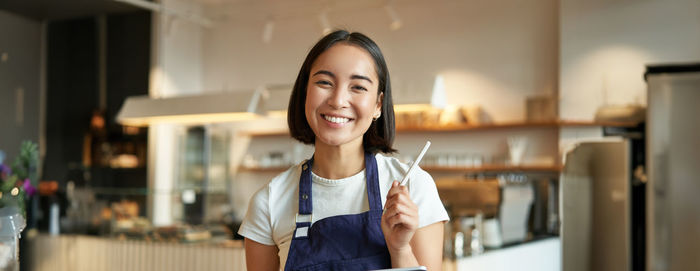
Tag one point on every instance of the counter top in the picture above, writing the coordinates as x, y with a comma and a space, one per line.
541, 255
81, 252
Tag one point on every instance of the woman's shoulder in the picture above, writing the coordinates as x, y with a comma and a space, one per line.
286, 178
278, 185
384, 161
398, 168
287, 174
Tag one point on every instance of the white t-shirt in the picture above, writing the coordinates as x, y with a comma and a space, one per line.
270, 216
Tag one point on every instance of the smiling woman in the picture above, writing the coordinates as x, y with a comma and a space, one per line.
343, 208
380, 134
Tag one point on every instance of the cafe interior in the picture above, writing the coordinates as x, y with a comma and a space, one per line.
565, 133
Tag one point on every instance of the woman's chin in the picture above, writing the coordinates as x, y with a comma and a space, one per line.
335, 141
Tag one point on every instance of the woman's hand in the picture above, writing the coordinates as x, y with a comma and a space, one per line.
400, 220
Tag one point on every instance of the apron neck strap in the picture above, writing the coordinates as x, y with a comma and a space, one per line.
305, 204
371, 177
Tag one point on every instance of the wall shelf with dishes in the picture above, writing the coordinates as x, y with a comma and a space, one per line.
262, 169
496, 168
475, 164
509, 125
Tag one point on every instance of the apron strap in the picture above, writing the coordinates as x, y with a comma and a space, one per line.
305, 203
304, 217
372, 177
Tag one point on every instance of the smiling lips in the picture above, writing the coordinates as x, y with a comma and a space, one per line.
333, 119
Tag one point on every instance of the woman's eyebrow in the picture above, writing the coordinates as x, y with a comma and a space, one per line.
354, 76
324, 72
362, 77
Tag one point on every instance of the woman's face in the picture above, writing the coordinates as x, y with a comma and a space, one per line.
341, 96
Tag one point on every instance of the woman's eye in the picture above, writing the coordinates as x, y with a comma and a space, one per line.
359, 88
323, 82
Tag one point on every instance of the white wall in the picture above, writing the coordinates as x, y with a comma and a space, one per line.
605, 46
492, 53
178, 54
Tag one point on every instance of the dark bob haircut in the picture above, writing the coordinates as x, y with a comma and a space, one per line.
380, 135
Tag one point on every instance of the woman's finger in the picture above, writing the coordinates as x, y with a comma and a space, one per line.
404, 220
400, 209
400, 199
400, 206
395, 188
393, 210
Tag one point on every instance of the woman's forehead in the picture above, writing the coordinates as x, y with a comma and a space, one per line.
345, 60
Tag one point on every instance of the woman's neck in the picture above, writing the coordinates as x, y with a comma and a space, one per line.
337, 162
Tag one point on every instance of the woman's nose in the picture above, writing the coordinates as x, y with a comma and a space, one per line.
339, 97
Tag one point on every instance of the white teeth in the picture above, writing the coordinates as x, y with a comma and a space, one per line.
336, 119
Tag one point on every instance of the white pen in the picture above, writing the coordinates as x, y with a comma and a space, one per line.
420, 156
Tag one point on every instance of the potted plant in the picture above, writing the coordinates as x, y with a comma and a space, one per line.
17, 184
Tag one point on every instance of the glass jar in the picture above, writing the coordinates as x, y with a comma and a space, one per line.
11, 225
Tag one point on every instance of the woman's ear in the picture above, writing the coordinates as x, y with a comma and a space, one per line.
380, 100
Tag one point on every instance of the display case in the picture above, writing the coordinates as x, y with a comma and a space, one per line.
203, 179
114, 201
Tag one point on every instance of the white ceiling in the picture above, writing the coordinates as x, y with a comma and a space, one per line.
253, 10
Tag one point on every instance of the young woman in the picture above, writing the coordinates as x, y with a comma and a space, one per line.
343, 209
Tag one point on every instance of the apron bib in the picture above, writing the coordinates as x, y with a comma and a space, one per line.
344, 242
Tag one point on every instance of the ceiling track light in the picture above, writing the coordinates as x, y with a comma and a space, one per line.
325, 25
395, 20
267, 31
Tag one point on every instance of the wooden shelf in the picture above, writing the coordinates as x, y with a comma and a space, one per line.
478, 127
511, 125
467, 197
284, 132
574, 123
494, 168
263, 169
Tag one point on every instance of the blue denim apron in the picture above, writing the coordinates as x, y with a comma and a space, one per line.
343, 242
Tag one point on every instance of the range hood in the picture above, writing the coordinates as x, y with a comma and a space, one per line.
195, 109
276, 99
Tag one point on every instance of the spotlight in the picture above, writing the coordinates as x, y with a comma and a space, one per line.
325, 25
267, 31
395, 20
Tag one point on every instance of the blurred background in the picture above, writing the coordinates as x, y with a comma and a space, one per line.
564, 131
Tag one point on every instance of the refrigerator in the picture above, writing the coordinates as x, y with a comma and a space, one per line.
595, 191
631, 200
673, 163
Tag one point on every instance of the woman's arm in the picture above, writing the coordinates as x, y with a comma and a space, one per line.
427, 245
408, 245
399, 224
261, 257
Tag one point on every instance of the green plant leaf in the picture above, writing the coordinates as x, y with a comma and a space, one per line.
8, 184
